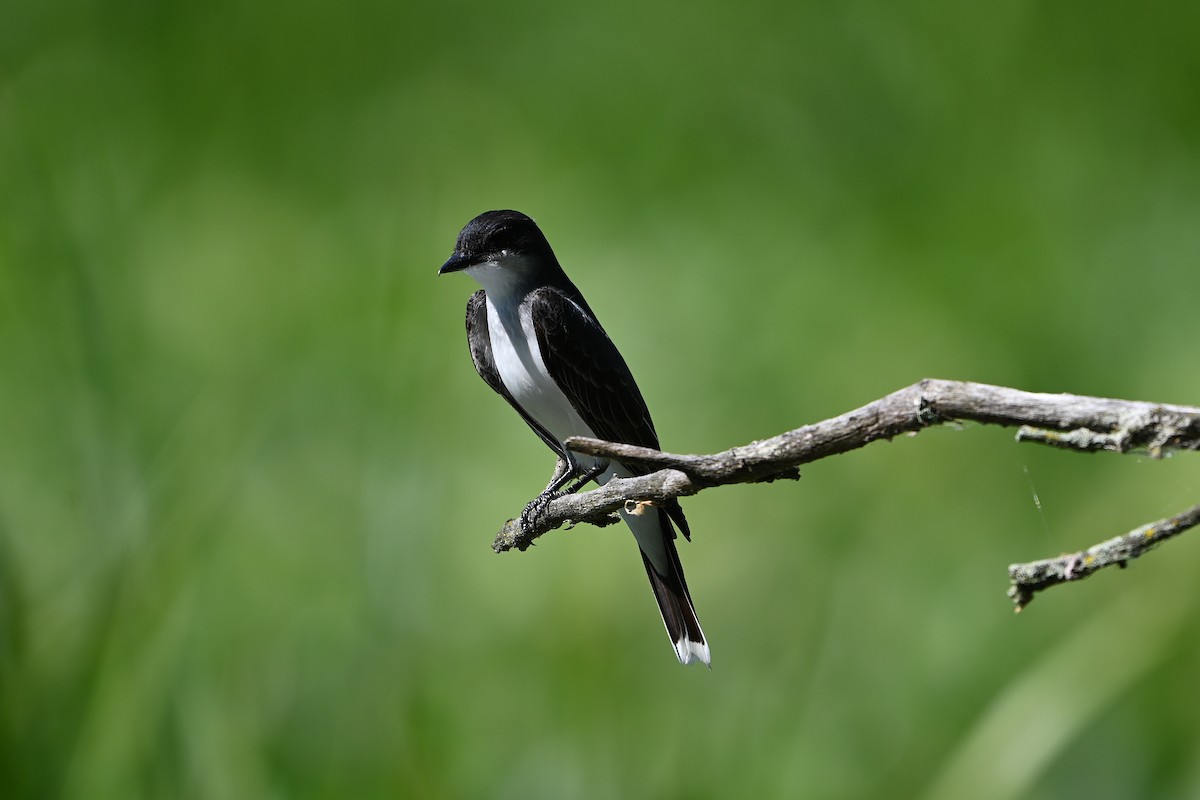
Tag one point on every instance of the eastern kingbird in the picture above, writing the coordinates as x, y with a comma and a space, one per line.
536, 342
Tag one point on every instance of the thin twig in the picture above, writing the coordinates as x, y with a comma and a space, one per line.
1032, 577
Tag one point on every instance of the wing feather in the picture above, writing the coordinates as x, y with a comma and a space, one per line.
590, 370
592, 374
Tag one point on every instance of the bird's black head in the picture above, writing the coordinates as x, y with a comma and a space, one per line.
499, 238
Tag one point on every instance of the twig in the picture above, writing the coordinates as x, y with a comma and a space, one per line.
1060, 420
1032, 577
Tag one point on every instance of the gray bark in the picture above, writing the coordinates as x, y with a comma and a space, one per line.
1067, 421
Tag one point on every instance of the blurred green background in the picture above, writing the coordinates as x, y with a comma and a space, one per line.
249, 479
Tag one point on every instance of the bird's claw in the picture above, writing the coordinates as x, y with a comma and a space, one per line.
533, 513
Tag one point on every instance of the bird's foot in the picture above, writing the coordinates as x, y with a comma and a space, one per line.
533, 513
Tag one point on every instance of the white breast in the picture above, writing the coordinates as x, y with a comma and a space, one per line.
524, 373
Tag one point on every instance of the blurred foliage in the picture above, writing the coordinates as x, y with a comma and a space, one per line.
248, 478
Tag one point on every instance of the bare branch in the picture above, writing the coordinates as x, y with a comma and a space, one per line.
1067, 421
1061, 420
1034, 576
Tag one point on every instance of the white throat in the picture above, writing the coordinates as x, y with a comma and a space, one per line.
505, 278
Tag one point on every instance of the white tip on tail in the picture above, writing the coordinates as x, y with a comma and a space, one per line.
689, 651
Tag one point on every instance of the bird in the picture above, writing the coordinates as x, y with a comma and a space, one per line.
537, 343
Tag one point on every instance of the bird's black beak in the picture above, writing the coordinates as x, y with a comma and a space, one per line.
456, 262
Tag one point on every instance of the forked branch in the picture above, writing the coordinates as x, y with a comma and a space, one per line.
1065, 421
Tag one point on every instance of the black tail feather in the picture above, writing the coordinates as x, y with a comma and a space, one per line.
675, 604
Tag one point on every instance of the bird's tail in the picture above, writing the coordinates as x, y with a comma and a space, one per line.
675, 602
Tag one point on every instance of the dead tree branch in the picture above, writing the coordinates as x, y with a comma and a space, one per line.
1034, 576
1066, 421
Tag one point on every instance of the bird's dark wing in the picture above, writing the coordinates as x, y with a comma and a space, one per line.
480, 342
589, 369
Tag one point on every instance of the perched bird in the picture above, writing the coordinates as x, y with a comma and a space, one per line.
537, 343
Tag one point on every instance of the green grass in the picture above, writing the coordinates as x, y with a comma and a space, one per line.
248, 478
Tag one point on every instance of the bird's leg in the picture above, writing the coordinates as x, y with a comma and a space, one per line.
587, 476
564, 470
